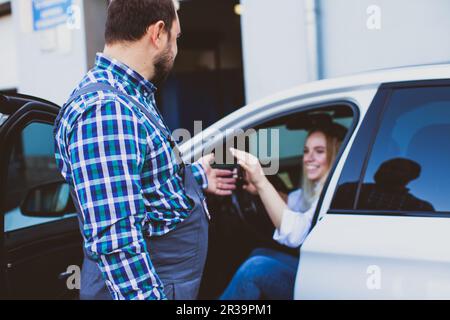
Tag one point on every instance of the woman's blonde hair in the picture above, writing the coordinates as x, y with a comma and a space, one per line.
311, 190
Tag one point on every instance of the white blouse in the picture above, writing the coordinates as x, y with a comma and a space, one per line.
295, 223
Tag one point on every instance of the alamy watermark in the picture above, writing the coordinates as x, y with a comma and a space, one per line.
374, 17
73, 21
263, 143
373, 281
73, 274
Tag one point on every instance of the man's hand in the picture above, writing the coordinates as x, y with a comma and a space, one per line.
220, 182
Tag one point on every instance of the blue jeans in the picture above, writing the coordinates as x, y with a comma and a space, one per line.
266, 274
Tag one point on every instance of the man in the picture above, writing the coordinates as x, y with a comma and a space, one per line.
142, 213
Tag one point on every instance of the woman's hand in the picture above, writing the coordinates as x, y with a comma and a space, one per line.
272, 201
248, 186
253, 171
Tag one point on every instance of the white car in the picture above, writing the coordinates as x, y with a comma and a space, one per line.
382, 226
381, 229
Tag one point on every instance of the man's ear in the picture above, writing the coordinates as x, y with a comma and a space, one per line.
157, 34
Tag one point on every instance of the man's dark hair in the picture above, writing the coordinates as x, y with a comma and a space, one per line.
128, 20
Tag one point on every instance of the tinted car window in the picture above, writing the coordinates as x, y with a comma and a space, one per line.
32, 163
408, 169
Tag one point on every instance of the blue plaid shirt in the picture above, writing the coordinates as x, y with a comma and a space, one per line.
125, 176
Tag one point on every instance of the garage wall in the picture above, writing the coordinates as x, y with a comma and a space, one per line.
8, 54
353, 36
51, 62
274, 46
411, 32
94, 18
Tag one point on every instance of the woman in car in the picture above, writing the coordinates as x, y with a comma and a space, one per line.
269, 274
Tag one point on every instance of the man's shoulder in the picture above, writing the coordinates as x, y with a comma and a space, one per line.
101, 102
89, 102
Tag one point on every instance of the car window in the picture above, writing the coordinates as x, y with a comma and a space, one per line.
279, 143
279, 149
32, 163
408, 168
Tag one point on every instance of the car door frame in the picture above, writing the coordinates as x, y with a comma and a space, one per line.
193, 148
302, 104
33, 110
190, 149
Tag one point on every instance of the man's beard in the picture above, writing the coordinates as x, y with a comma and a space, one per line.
163, 66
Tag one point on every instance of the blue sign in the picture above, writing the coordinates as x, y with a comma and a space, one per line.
48, 14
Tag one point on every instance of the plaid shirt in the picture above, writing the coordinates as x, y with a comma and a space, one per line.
125, 176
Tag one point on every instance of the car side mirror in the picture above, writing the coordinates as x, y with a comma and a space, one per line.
48, 200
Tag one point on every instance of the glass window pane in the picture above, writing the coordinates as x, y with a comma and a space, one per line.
284, 140
409, 166
32, 164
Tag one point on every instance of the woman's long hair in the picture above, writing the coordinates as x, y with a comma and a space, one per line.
311, 190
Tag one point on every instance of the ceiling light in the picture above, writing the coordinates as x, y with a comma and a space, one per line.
238, 9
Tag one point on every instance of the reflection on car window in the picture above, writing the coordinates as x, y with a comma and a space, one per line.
32, 163
410, 160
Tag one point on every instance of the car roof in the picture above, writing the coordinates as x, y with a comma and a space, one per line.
398, 74
372, 79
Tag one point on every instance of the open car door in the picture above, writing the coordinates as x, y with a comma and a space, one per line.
38, 253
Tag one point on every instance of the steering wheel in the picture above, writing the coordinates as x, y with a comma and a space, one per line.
250, 209
245, 204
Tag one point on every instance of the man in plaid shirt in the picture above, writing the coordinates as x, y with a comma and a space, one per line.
121, 164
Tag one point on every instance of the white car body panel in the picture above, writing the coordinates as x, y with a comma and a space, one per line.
410, 255
343, 253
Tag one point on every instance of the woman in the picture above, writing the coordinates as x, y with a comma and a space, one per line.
269, 274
